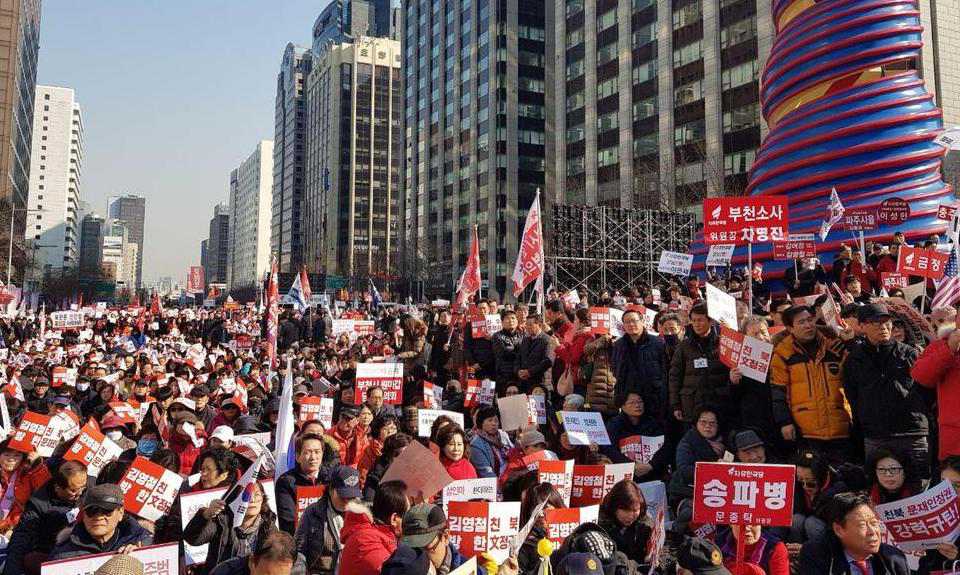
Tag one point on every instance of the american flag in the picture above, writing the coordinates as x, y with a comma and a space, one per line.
948, 292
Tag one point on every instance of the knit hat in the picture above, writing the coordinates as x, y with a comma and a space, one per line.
121, 565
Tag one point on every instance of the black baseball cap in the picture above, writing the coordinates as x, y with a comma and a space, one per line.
346, 482
701, 557
104, 496
580, 564
873, 312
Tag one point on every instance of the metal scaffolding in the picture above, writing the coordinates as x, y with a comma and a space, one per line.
605, 248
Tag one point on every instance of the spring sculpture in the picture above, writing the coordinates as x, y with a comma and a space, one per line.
846, 110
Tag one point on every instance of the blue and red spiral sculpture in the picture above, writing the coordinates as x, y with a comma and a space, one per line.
845, 110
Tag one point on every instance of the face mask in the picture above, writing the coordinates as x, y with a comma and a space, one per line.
147, 446
114, 434
83, 386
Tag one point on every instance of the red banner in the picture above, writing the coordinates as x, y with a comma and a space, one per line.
946, 212
740, 220
730, 343
149, 489
793, 249
92, 448
600, 320
920, 262
480, 526
591, 483
743, 494
388, 376
307, 495
893, 211
195, 281
35, 434
559, 474
892, 280
562, 522
859, 219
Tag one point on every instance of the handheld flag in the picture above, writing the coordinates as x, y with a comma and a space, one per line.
375, 294
246, 488
273, 315
283, 454
529, 266
948, 291
470, 281
296, 296
834, 214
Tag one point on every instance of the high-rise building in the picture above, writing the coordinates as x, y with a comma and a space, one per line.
940, 56
131, 210
91, 245
474, 129
55, 176
19, 47
288, 158
654, 103
204, 248
115, 253
354, 154
218, 246
250, 198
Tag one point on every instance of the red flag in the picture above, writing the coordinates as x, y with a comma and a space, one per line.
469, 283
156, 307
529, 265
305, 285
273, 314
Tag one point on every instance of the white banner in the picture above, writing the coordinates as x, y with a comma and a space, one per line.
720, 255
470, 490
923, 521
66, 319
156, 559
675, 263
722, 307
585, 427
426, 417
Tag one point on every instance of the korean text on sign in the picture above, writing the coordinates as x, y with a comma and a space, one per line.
920, 262
562, 522
559, 474
744, 220
149, 489
743, 494
924, 520
641, 448
591, 483
477, 527
585, 427
388, 376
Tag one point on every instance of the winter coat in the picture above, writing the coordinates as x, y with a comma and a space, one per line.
634, 540
187, 451
479, 351
241, 566
623, 432
534, 358
527, 557
506, 354
693, 448
316, 539
807, 389
409, 561
43, 518
754, 403
369, 458
641, 365
222, 537
600, 388
286, 490
350, 447
372, 484
78, 542
768, 553
867, 276
571, 353
825, 556
698, 378
366, 544
289, 334
461, 469
489, 459
939, 368
884, 398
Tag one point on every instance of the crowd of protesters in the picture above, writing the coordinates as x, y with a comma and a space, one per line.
864, 405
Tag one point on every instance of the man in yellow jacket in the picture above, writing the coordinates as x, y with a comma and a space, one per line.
807, 386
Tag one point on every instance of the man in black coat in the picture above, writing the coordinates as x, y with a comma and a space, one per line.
51, 508
317, 457
639, 362
853, 546
104, 528
506, 350
887, 404
288, 333
534, 350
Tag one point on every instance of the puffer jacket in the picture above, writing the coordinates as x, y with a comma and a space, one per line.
78, 542
695, 384
602, 383
807, 389
317, 539
366, 544
506, 353
939, 368
43, 518
641, 366
885, 400
222, 537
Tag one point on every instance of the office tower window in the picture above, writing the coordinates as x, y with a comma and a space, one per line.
689, 133
575, 69
606, 53
644, 72
688, 93
573, 7
607, 88
645, 108
738, 162
687, 54
607, 19
739, 75
738, 32
574, 133
686, 15
646, 145
608, 121
741, 118
644, 34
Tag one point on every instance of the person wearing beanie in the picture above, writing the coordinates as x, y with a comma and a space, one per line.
489, 445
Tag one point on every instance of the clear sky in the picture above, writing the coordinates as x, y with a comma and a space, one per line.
175, 94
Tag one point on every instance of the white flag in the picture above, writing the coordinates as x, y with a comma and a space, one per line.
285, 427
835, 213
245, 487
295, 296
949, 138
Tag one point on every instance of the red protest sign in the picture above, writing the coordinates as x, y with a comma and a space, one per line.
149, 489
793, 249
893, 211
893, 280
35, 434
946, 212
307, 495
920, 262
562, 522
859, 219
740, 220
641, 448
924, 520
600, 320
388, 376
591, 483
730, 343
559, 474
92, 448
479, 526
743, 494
309, 408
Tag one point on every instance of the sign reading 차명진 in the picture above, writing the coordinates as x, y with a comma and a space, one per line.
741, 220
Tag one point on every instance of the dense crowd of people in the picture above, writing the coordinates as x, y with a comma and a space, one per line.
862, 402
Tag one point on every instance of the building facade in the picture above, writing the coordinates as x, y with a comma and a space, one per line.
218, 246
250, 209
131, 210
55, 176
19, 47
288, 158
475, 121
116, 236
91, 245
354, 156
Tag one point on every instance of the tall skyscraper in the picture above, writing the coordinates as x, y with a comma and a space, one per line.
288, 158
118, 260
218, 246
19, 46
131, 210
91, 246
354, 155
474, 125
250, 200
55, 176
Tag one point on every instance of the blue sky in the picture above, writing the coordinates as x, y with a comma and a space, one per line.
175, 94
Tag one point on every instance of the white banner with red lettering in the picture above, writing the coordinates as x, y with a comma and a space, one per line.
591, 483
193, 502
149, 489
388, 376
562, 522
157, 560
923, 521
470, 490
480, 526
641, 448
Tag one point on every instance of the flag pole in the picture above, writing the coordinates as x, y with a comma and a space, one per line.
543, 260
476, 239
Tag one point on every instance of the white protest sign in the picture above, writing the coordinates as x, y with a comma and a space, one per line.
949, 138
538, 409
675, 263
426, 417
514, 411
470, 490
720, 255
156, 559
721, 307
641, 448
191, 503
584, 427
655, 494
387, 376
923, 521
754, 359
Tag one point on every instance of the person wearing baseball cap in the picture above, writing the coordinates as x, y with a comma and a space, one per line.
580, 564
350, 435
104, 527
425, 545
326, 516
699, 556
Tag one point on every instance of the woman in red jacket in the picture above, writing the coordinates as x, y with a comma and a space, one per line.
571, 351
938, 367
455, 452
763, 552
